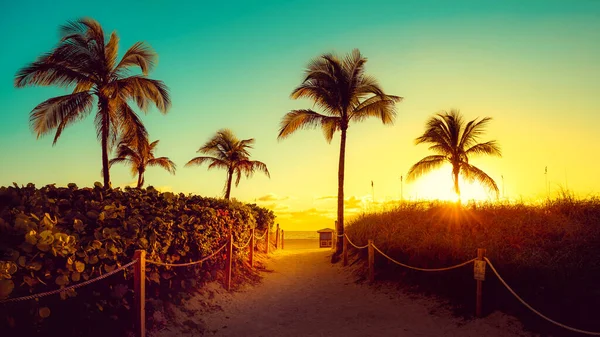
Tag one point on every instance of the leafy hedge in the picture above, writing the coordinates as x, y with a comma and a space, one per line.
54, 237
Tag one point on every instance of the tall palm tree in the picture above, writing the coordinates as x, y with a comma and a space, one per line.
85, 60
454, 142
140, 155
227, 152
345, 94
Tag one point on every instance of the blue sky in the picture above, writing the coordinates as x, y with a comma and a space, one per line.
531, 65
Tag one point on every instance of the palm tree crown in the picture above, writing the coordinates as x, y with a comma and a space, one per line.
454, 142
139, 155
85, 60
340, 88
226, 151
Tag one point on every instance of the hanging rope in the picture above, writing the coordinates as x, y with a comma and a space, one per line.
187, 263
423, 269
74, 286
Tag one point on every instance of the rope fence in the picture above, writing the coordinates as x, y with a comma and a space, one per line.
423, 269
74, 286
353, 245
140, 262
479, 274
187, 263
262, 236
245, 244
532, 309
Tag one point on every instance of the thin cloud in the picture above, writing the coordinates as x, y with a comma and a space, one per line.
272, 197
328, 197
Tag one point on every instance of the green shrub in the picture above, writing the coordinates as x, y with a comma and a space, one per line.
54, 237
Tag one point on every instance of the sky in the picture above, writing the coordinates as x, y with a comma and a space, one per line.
533, 66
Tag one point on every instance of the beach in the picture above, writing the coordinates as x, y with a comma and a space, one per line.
303, 294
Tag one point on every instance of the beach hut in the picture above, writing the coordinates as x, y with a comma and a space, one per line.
325, 238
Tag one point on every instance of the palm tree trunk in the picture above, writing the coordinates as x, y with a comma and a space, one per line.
103, 110
340, 205
228, 188
455, 172
140, 182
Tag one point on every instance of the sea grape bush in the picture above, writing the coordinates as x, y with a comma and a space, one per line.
54, 237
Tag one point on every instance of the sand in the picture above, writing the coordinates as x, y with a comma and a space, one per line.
303, 294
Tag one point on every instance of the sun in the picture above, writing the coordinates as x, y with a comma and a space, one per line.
438, 185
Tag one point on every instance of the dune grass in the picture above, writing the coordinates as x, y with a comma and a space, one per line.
548, 253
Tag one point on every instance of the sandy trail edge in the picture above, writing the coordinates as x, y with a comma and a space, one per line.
305, 295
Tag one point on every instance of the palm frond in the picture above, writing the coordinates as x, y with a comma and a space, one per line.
354, 66
141, 55
144, 90
306, 119
382, 107
111, 51
436, 132
46, 74
490, 148
163, 162
321, 93
131, 127
201, 160
425, 165
368, 86
472, 173
153, 145
59, 112
473, 131
110, 114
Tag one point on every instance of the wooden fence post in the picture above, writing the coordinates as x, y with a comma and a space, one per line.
228, 263
371, 262
345, 252
282, 239
479, 301
277, 237
139, 285
334, 237
252, 248
267, 242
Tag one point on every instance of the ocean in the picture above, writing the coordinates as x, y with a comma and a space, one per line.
301, 235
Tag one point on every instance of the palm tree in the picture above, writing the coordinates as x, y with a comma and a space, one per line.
344, 94
227, 152
85, 60
454, 142
139, 156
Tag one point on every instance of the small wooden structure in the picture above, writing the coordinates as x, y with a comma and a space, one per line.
326, 237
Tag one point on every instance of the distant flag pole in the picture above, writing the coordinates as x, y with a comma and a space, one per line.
373, 190
547, 186
401, 189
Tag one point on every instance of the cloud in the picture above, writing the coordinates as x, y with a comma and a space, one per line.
353, 203
276, 207
272, 197
327, 197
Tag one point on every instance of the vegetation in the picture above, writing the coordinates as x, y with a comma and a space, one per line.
546, 254
86, 60
229, 153
345, 94
454, 142
53, 237
140, 155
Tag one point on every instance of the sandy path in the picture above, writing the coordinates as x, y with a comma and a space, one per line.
305, 295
